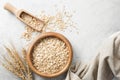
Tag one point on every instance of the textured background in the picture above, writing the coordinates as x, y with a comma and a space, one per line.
96, 19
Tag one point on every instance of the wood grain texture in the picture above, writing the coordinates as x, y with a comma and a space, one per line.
44, 35
18, 14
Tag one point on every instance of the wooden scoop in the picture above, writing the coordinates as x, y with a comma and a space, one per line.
25, 17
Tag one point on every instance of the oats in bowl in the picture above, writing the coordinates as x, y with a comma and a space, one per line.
50, 55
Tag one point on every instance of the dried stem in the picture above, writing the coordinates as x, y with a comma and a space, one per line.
17, 65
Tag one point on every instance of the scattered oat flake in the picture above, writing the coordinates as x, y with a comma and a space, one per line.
58, 22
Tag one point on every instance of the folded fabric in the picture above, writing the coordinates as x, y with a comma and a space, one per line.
105, 66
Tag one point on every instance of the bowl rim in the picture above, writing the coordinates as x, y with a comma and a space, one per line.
44, 35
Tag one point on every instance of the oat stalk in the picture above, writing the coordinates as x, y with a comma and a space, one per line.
17, 65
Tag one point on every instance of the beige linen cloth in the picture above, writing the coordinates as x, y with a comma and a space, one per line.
105, 66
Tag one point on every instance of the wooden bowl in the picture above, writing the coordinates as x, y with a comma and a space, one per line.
44, 35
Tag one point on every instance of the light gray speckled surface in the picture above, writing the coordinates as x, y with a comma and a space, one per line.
97, 19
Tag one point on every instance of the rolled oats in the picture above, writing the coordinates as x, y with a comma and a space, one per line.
50, 55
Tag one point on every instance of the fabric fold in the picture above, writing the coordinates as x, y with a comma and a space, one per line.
104, 66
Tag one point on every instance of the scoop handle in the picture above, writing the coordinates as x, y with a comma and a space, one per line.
10, 8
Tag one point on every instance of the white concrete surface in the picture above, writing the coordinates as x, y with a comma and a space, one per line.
96, 19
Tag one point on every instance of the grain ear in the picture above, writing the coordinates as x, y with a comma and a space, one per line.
15, 64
